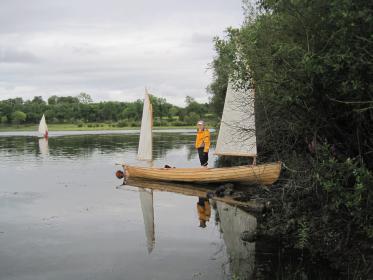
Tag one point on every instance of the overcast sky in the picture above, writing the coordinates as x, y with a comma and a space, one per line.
111, 49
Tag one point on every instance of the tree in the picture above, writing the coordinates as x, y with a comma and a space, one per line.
4, 119
310, 62
84, 98
53, 100
38, 100
18, 117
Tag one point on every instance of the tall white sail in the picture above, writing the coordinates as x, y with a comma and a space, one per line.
43, 128
237, 129
146, 199
145, 149
233, 222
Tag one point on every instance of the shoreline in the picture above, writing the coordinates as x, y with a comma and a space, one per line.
74, 127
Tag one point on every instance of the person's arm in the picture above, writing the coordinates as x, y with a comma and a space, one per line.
207, 141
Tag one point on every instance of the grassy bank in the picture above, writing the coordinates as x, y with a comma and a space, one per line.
78, 127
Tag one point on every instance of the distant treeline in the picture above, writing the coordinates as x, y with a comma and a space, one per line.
81, 109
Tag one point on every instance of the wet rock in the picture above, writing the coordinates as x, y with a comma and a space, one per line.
228, 186
219, 192
248, 236
223, 190
210, 194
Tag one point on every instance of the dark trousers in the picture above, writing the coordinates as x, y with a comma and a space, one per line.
203, 156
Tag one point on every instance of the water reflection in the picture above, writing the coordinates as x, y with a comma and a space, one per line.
146, 200
235, 224
204, 211
85, 145
43, 146
61, 217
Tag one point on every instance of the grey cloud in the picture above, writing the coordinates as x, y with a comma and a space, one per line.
111, 49
8, 55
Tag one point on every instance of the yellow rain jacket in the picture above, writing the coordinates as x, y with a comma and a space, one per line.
203, 139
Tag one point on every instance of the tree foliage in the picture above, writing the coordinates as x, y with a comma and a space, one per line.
310, 63
81, 109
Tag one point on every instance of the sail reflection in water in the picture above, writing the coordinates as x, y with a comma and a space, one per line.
43, 146
146, 200
235, 222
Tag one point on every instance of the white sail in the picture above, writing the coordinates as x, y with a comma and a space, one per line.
43, 128
145, 149
233, 222
237, 129
146, 199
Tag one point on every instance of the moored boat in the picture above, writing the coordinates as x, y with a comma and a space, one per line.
237, 137
265, 174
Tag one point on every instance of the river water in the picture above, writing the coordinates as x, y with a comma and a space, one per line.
64, 215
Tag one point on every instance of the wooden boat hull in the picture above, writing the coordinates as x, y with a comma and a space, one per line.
265, 174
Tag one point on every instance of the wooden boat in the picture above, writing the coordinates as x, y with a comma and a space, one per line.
237, 137
265, 174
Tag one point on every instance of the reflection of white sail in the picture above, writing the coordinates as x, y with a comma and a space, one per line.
146, 138
233, 222
146, 199
237, 129
43, 146
43, 128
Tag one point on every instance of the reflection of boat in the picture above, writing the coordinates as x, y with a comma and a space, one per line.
191, 190
236, 137
43, 128
233, 223
43, 146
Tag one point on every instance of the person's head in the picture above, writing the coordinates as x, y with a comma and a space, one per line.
119, 174
200, 124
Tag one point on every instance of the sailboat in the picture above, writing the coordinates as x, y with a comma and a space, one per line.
43, 128
236, 138
145, 153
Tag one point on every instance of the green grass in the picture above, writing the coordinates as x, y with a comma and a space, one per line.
75, 127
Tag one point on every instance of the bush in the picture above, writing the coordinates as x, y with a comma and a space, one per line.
178, 123
122, 123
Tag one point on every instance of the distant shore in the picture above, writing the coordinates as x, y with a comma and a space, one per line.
80, 127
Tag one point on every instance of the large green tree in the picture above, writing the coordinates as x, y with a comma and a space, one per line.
310, 63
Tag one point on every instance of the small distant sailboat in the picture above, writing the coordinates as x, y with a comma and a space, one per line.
43, 128
145, 153
236, 137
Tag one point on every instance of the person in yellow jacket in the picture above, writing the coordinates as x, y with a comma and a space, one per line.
203, 143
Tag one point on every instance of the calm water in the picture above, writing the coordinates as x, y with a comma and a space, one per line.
63, 216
